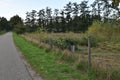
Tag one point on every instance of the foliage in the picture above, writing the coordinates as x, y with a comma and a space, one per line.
4, 24
105, 31
20, 28
40, 30
61, 40
115, 3
95, 29
75, 17
15, 20
61, 21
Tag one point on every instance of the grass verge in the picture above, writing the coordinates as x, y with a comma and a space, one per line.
48, 64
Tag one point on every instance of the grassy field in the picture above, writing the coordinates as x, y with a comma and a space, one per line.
58, 64
49, 65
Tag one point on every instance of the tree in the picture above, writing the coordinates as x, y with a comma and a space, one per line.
4, 24
84, 9
106, 9
17, 24
14, 21
56, 20
96, 9
28, 22
68, 11
76, 9
85, 16
33, 15
20, 28
115, 3
41, 18
33, 20
49, 24
75, 21
63, 22
75, 17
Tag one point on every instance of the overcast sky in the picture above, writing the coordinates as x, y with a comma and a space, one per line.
9, 8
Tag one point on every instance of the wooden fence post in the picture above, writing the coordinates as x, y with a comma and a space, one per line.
73, 49
89, 58
51, 43
89, 53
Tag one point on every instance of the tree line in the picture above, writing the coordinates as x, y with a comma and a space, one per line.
75, 17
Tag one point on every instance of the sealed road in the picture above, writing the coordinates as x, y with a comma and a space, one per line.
11, 65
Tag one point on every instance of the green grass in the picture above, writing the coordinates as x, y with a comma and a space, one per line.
55, 66
49, 65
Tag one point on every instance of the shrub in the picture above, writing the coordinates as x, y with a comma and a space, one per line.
19, 28
95, 29
104, 31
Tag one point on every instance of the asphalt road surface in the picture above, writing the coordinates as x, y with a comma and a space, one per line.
11, 64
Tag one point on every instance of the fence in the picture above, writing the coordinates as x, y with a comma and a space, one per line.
107, 62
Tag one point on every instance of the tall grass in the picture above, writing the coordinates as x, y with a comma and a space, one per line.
105, 39
51, 65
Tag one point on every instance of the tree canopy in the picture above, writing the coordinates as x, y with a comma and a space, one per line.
75, 17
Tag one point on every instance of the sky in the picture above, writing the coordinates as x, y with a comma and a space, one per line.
9, 8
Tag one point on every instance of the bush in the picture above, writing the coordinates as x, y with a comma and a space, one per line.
67, 42
19, 28
105, 31
95, 29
